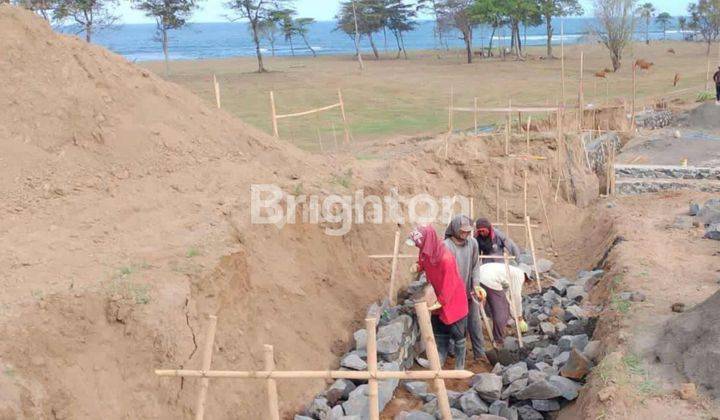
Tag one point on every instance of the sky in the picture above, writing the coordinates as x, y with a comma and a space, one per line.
214, 10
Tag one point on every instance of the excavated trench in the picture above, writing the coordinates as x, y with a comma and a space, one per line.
540, 380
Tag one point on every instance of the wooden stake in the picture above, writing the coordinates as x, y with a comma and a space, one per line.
527, 138
562, 60
560, 139
507, 221
472, 209
475, 114
511, 300
532, 252
508, 128
216, 86
525, 200
393, 268
334, 135
361, 375
486, 321
450, 111
547, 219
206, 361
581, 93
634, 93
426, 332
344, 117
497, 199
274, 116
370, 324
273, 409
322, 149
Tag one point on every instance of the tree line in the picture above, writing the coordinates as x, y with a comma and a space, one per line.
270, 20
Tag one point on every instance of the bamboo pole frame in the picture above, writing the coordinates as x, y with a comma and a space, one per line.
532, 252
316, 374
426, 332
206, 362
509, 109
272, 395
339, 104
370, 325
216, 87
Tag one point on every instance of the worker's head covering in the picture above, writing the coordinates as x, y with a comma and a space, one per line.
484, 234
485, 224
459, 223
431, 248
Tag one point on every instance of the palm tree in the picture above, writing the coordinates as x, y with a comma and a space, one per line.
664, 19
647, 11
301, 28
682, 23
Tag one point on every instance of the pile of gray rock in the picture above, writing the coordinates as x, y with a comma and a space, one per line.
530, 382
709, 217
398, 345
653, 119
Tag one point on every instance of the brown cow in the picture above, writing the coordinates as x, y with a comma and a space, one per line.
644, 65
671, 50
601, 74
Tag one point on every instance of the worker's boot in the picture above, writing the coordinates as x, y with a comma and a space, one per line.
443, 345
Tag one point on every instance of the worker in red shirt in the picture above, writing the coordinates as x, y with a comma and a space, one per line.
449, 314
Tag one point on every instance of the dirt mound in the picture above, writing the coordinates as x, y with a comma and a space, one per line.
704, 117
76, 116
690, 342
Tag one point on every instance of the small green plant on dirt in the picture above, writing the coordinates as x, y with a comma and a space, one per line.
363, 156
9, 371
705, 96
616, 281
139, 293
192, 252
634, 366
37, 294
343, 180
621, 305
125, 271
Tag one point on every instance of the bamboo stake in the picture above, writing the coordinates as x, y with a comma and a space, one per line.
472, 208
317, 374
547, 219
274, 115
525, 201
511, 300
426, 332
393, 268
562, 59
342, 112
634, 93
475, 114
334, 135
486, 321
508, 129
273, 409
322, 149
370, 324
216, 86
527, 138
581, 93
560, 139
532, 252
206, 361
497, 199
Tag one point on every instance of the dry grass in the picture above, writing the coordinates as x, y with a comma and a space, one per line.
410, 97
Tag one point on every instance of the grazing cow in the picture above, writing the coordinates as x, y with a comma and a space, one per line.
644, 65
601, 74
607, 70
676, 79
671, 50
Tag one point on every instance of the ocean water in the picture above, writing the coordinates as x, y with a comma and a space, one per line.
137, 42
